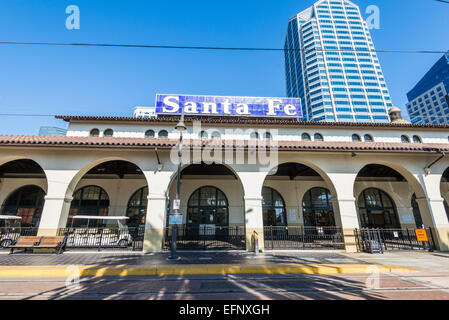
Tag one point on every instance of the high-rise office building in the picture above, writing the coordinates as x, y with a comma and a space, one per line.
331, 64
429, 99
52, 131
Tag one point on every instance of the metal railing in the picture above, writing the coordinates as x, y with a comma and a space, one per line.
103, 238
9, 235
207, 238
303, 238
380, 240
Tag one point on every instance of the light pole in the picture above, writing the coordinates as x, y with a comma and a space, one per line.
181, 128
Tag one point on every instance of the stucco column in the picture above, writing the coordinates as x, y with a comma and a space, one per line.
158, 183
349, 222
345, 207
252, 186
57, 202
439, 221
436, 216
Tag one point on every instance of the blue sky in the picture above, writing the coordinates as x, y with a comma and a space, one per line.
111, 81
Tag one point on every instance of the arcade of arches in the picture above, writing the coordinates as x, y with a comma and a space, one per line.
292, 194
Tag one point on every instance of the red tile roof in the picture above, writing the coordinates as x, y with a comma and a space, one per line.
161, 143
252, 121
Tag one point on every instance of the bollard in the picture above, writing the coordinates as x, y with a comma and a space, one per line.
256, 243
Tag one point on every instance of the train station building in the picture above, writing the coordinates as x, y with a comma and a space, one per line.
290, 184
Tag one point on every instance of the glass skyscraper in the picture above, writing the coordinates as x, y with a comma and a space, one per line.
330, 63
52, 131
429, 99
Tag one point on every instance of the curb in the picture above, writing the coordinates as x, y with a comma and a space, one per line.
164, 270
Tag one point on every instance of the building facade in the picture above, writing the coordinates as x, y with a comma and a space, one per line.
330, 63
429, 99
323, 177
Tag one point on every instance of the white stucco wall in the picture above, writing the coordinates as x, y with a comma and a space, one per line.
281, 133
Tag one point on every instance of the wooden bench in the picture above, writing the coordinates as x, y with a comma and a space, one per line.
57, 243
25, 242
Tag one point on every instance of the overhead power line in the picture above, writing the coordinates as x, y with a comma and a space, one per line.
146, 46
25, 115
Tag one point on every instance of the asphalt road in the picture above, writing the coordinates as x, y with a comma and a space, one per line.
406, 286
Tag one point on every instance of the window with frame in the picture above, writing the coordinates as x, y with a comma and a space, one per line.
108, 133
149, 134
305, 137
273, 207
94, 133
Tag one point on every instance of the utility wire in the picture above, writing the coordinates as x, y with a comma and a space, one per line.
25, 115
115, 45
54, 115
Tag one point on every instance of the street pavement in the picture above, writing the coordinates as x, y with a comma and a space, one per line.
233, 287
430, 281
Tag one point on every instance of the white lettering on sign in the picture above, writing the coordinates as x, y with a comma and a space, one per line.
218, 105
172, 102
273, 105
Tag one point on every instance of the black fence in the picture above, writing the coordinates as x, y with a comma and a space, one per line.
104, 238
9, 235
380, 240
303, 238
206, 238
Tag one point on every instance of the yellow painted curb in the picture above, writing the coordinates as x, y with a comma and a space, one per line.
163, 270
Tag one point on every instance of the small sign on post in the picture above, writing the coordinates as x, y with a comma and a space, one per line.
421, 235
175, 219
176, 204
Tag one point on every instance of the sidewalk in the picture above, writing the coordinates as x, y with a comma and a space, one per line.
136, 264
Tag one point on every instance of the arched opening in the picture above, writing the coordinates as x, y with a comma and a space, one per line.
377, 210
211, 200
417, 139
26, 202
94, 132
368, 138
108, 133
267, 136
137, 207
405, 139
149, 133
444, 188
297, 208
273, 207
318, 137
23, 189
163, 134
305, 137
317, 208
108, 207
254, 135
395, 190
